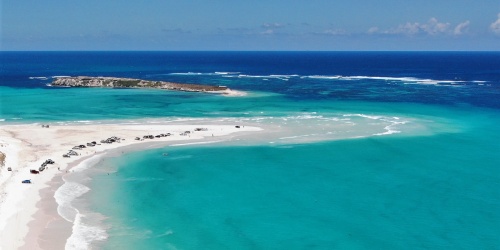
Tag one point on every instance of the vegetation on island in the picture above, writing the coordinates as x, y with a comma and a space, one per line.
113, 82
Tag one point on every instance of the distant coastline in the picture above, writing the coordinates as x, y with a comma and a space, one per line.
116, 82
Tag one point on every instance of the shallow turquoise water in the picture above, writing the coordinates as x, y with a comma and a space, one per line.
72, 105
437, 192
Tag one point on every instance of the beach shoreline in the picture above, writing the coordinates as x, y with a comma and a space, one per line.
46, 222
28, 212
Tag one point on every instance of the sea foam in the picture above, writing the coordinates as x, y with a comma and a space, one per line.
193, 74
403, 79
83, 235
65, 195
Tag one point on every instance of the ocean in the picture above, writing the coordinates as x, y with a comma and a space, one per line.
363, 150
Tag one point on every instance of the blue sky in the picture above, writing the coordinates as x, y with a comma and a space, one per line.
250, 25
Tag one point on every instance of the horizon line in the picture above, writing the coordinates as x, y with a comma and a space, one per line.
249, 51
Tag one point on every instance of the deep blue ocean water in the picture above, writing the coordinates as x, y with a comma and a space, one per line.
415, 163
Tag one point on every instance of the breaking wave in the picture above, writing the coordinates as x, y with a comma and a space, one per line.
38, 78
82, 234
404, 80
194, 74
65, 195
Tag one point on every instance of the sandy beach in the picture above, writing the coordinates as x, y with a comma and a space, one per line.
28, 211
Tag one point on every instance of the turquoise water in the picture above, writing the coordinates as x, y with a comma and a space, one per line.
73, 105
436, 192
360, 150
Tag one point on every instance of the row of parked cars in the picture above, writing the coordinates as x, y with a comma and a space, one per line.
40, 169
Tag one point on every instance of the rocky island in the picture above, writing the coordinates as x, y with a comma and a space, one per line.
114, 82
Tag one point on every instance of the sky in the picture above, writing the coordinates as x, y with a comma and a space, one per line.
276, 25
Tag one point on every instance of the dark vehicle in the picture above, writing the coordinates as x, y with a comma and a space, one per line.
34, 171
49, 161
26, 181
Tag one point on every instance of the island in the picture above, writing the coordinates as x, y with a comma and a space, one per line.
114, 82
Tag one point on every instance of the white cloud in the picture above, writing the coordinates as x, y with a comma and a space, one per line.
267, 32
432, 27
272, 25
407, 28
373, 30
176, 31
270, 28
495, 26
334, 32
461, 28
